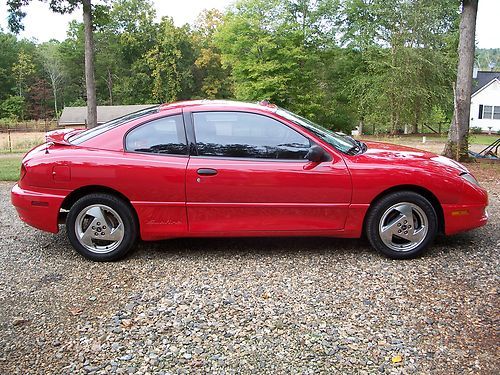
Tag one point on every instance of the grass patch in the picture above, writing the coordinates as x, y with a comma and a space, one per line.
482, 139
9, 168
474, 139
20, 141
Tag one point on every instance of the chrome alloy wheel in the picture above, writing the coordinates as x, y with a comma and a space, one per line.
99, 228
403, 227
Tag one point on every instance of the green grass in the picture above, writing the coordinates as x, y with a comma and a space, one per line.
482, 139
9, 168
474, 139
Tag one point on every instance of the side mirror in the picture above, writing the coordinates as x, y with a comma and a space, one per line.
316, 154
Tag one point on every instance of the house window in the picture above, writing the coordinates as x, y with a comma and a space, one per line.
487, 111
496, 113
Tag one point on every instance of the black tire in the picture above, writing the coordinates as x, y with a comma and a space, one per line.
420, 205
121, 209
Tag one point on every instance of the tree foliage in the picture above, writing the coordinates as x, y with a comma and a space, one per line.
387, 64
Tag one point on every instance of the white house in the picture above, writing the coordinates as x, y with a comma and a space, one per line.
485, 102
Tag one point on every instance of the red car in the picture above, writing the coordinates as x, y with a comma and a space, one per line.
226, 169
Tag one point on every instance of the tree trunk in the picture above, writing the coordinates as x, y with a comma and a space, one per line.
89, 65
416, 119
55, 104
109, 83
457, 145
361, 125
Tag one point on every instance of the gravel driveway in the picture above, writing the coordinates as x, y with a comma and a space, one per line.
249, 306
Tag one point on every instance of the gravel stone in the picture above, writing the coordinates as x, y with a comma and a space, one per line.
265, 306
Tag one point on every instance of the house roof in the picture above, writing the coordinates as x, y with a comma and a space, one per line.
483, 78
78, 115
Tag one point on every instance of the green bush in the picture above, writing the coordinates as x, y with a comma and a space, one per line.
13, 107
476, 130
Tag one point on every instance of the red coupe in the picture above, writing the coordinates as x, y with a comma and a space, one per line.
226, 169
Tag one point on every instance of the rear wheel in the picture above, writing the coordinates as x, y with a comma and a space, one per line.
401, 225
101, 227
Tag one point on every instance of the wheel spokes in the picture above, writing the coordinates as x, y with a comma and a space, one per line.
87, 236
407, 212
418, 235
390, 229
114, 234
99, 214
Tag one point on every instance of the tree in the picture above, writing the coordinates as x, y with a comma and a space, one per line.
10, 51
213, 80
13, 107
276, 50
52, 66
171, 61
16, 16
406, 63
121, 48
457, 146
23, 70
89, 65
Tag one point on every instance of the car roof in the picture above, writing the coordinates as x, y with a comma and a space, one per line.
212, 104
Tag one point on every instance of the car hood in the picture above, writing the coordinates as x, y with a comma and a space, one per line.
397, 154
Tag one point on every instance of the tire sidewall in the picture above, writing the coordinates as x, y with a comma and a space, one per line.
121, 208
378, 209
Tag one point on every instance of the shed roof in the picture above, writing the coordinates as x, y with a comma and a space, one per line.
78, 115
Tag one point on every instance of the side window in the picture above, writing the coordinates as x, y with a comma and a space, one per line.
247, 135
162, 136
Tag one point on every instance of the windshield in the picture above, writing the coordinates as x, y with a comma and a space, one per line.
341, 142
90, 133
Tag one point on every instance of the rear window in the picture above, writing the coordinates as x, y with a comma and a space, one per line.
91, 133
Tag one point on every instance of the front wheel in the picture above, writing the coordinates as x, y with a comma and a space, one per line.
101, 227
401, 225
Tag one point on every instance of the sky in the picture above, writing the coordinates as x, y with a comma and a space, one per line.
40, 23
37, 13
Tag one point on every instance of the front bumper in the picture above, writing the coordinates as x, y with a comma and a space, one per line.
461, 218
38, 209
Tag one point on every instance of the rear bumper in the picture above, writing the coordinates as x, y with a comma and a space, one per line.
40, 210
461, 218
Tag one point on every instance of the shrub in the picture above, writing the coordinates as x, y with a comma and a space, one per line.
13, 107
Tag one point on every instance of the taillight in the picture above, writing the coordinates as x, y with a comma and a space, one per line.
23, 172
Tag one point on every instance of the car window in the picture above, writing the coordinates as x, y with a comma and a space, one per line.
247, 135
162, 136
341, 142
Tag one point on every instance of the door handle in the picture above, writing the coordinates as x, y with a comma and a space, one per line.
207, 172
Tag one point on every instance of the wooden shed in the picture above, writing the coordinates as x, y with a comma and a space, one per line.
76, 117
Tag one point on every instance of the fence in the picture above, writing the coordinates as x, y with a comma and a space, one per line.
28, 126
21, 136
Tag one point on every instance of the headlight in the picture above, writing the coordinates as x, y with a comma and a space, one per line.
470, 178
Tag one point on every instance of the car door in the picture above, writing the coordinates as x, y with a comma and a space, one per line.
249, 175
